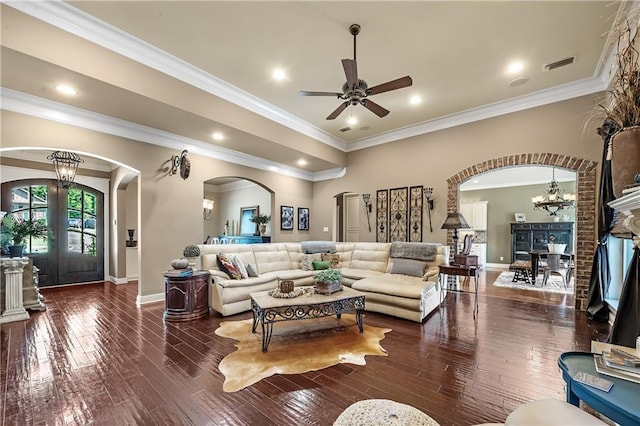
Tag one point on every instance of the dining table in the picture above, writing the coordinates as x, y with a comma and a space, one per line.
535, 255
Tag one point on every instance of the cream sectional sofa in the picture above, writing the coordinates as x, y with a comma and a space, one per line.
366, 267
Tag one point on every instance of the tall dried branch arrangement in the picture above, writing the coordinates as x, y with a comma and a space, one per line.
623, 105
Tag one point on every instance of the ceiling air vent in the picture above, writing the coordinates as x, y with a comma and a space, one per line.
560, 63
345, 129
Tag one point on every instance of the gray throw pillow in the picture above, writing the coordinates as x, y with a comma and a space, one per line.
251, 270
414, 268
306, 261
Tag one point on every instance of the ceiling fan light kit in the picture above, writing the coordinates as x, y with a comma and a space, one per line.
356, 91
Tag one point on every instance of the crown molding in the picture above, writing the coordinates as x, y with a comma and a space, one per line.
543, 97
68, 18
50, 110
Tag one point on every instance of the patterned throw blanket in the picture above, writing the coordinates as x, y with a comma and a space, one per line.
418, 251
311, 247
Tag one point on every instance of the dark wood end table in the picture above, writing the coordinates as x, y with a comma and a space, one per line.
461, 271
186, 298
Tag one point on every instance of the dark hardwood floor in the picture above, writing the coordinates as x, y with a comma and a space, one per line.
94, 358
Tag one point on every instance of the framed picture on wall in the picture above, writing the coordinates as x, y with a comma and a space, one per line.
303, 219
520, 217
246, 226
286, 218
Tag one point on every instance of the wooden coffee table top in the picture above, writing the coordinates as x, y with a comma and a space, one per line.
265, 301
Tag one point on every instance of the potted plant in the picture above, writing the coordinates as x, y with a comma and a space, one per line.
328, 281
191, 252
622, 108
261, 220
16, 230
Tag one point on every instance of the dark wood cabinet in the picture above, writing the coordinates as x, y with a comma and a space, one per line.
536, 235
186, 298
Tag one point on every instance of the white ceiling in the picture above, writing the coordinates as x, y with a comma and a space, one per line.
455, 52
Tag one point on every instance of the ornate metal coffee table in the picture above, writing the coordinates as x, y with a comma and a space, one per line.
268, 310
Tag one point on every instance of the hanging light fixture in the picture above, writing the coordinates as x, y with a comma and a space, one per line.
66, 165
554, 198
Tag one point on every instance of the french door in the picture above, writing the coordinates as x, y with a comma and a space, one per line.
74, 250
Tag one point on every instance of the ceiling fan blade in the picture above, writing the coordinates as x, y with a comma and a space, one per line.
338, 110
374, 108
398, 83
307, 93
351, 71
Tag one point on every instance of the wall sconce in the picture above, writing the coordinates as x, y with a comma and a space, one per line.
207, 209
66, 165
182, 163
366, 198
428, 195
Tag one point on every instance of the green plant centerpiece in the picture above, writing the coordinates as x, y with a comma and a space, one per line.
328, 281
15, 231
191, 252
622, 106
261, 220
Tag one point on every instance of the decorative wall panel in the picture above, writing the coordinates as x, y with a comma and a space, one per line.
382, 216
398, 219
415, 214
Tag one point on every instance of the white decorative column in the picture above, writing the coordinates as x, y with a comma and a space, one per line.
12, 270
629, 204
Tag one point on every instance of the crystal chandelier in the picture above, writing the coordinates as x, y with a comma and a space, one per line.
554, 198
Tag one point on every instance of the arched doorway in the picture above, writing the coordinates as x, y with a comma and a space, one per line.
585, 204
73, 252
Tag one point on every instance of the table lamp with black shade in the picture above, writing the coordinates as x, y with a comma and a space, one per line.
455, 221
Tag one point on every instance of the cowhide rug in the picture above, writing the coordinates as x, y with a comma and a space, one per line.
296, 347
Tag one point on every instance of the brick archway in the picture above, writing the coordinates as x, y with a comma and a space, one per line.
585, 204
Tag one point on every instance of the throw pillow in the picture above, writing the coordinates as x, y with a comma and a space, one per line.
306, 261
226, 265
251, 270
414, 268
319, 265
237, 262
333, 258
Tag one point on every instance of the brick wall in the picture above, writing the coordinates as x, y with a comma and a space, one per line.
585, 205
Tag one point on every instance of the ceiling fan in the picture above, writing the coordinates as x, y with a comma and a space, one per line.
356, 91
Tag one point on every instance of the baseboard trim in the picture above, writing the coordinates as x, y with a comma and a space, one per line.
497, 265
149, 298
118, 280
132, 278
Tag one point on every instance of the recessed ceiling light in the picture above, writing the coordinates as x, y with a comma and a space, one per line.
217, 136
515, 67
66, 89
302, 162
415, 100
279, 74
352, 120
273, 168
476, 181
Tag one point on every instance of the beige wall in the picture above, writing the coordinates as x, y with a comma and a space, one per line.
501, 206
432, 158
230, 203
171, 208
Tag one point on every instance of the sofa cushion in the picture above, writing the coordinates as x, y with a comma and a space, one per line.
370, 256
410, 267
291, 274
247, 282
306, 261
225, 264
394, 285
358, 274
271, 257
345, 251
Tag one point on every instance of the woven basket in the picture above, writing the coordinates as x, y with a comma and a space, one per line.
328, 287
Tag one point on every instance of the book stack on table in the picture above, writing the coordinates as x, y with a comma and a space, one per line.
179, 272
619, 363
